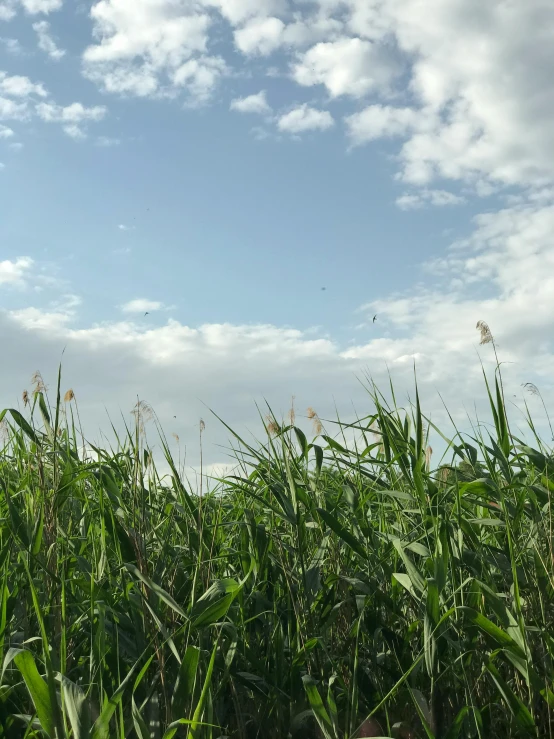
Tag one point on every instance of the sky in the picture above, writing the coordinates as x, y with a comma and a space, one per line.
204, 203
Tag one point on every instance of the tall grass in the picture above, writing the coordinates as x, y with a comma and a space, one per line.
327, 589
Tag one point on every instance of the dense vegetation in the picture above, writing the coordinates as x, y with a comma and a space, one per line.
336, 588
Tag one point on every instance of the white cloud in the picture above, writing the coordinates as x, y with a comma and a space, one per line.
7, 11
20, 87
16, 94
45, 41
260, 36
15, 272
74, 132
141, 305
304, 118
488, 112
34, 319
74, 113
239, 11
16, 146
380, 121
252, 104
348, 66
5, 132
424, 197
199, 77
9, 8
41, 6
123, 227
151, 47
73, 116
10, 110
481, 117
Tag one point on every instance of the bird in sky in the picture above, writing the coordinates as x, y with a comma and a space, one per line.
147, 313
324, 288
374, 318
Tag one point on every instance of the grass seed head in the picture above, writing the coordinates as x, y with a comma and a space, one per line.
38, 382
484, 330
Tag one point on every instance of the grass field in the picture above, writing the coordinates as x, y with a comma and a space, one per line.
327, 589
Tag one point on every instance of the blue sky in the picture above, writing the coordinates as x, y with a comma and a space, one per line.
216, 163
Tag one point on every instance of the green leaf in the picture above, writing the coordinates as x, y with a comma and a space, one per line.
77, 709
195, 724
415, 577
38, 690
141, 728
335, 445
342, 532
405, 581
23, 425
516, 706
214, 612
318, 709
495, 632
159, 591
37, 533
302, 441
186, 679
101, 728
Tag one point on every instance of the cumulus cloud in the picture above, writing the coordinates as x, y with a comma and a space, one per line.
252, 104
260, 36
348, 66
8, 8
7, 11
16, 94
380, 121
10, 110
41, 6
148, 48
304, 118
488, 110
5, 132
141, 305
45, 41
20, 87
72, 117
482, 118
239, 11
15, 272
199, 77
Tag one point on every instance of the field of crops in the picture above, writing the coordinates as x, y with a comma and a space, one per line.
349, 586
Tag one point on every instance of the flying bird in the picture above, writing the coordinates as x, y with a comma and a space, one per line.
147, 313
374, 318
324, 288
